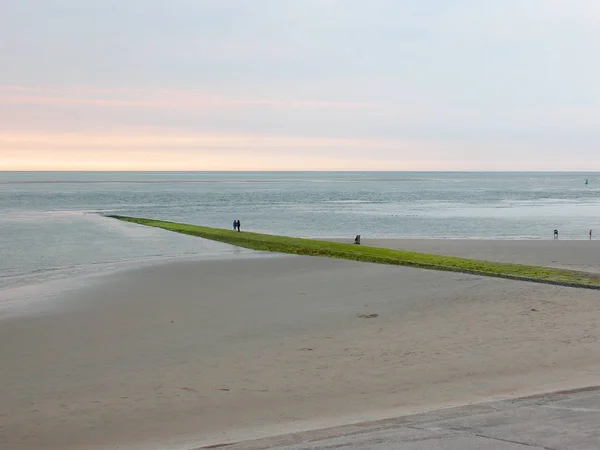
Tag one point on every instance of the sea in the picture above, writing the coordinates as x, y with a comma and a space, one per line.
54, 230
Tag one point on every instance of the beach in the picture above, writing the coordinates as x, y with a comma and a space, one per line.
186, 354
581, 255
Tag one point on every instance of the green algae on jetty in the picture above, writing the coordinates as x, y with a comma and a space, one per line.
311, 247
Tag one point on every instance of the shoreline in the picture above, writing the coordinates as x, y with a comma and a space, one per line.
28, 295
24, 279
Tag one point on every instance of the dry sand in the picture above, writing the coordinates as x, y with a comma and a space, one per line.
567, 254
195, 353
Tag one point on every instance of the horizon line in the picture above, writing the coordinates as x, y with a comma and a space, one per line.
301, 171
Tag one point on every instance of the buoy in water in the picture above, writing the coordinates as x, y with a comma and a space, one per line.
587, 181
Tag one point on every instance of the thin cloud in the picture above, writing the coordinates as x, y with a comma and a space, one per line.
164, 98
149, 150
152, 140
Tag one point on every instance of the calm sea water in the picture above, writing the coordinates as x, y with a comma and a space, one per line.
52, 225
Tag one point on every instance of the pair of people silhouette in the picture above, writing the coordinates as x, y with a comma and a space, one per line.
236, 225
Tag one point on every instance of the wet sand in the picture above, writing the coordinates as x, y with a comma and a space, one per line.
194, 353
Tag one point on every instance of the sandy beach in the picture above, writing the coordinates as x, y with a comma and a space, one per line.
566, 254
187, 354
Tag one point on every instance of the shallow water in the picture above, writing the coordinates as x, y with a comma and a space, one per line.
52, 225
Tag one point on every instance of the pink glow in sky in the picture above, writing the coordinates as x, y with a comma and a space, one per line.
312, 85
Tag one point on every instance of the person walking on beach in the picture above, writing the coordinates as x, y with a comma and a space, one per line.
590, 235
555, 234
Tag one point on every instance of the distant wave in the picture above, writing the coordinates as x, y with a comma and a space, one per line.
231, 181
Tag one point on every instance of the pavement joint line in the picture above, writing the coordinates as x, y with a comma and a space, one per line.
570, 408
463, 431
509, 441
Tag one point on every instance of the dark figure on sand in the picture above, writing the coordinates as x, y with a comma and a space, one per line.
590, 235
555, 234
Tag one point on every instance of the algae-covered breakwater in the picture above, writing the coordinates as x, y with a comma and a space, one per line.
300, 246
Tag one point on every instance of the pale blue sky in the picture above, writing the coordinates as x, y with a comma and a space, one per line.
329, 84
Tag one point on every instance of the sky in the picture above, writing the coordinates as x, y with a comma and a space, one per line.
300, 85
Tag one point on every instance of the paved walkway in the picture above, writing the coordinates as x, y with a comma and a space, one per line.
564, 420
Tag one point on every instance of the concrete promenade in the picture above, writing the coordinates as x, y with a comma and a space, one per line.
558, 421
